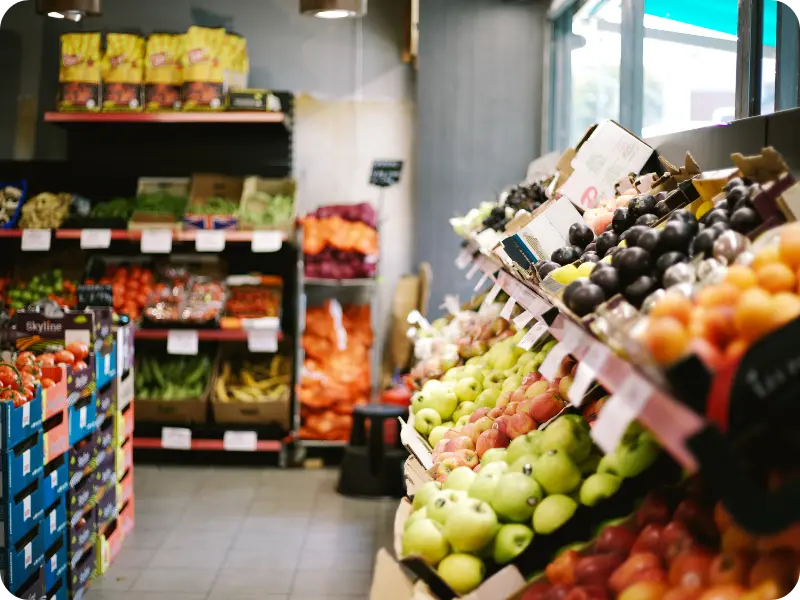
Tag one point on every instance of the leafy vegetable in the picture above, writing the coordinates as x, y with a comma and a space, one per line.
213, 206
260, 208
173, 379
162, 202
120, 208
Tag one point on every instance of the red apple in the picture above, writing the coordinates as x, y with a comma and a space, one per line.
501, 423
511, 409
588, 592
675, 539
649, 540
460, 442
451, 434
496, 412
653, 510
469, 457
531, 378
615, 539
481, 412
438, 449
520, 424
477, 468
563, 385
503, 400
561, 571
481, 425
493, 438
567, 364
545, 406
696, 517
537, 591
597, 568
691, 569
624, 575
518, 395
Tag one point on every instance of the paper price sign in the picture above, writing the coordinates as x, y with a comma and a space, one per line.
240, 441
463, 259
156, 241
176, 438
28, 555
481, 281
26, 509
95, 239
508, 309
492, 295
522, 320
182, 343
266, 241
619, 412
209, 241
533, 336
36, 240
26, 462
262, 340
473, 270
26, 414
583, 379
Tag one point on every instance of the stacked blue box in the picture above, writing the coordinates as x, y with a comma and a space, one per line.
21, 497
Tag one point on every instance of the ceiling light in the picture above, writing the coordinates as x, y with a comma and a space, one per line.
74, 10
333, 9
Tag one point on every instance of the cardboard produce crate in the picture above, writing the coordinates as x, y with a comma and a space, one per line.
273, 187
205, 187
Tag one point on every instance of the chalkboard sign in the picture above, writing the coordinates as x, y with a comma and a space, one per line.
386, 173
95, 295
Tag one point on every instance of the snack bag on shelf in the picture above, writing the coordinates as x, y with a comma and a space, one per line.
123, 72
79, 74
233, 57
163, 74
204, 72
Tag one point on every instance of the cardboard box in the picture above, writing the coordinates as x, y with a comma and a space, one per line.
109, 544
22, 465
174, 186
127, 518
82, 419
82, 572
547, 231
19, 423
125, 489
191, 410
273, 187
19, 562
56, 436
124, 348
60, 591
54, 399
205, 187
107, 510
54, 524
55, 480
105, 473
55, 562
80, 459
124, 457
81, 498
105, 400
123, 426
20, 512
124, 387
82, 537
253, 100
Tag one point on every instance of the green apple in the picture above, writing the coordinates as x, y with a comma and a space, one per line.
462, 572
487, 398
484, 486
549, 346
467, 389
556, 473
526, 357
524, 464
464, 409
460, 478
493, 455
516, 496
590, 465
510, 541
497, 467
529, 367
453, 374
475, 361
568, 436
634, 458
424, 495
417, 402
494, 379
524, 445
609, 464
552, 512
437, 434
463, 420
598, 487
425, 421
426, 539
511, 383
505, 360
475, 372
536, 388
439, 397
422, 513
470, 526
442, 502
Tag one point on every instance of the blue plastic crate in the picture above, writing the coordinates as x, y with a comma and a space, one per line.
20, 561
60, 591
21, 185
55, 480
82, 419
105, 367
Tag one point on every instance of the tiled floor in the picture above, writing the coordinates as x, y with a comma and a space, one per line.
235, 534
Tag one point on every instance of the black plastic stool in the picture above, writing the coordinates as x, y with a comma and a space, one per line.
371, 468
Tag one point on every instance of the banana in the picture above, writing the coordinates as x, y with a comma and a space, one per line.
247, 379
222, 392
242, 396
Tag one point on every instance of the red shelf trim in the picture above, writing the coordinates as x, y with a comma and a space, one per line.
201, 444
172, 117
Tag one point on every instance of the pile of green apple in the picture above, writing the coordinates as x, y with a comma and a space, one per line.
494, 510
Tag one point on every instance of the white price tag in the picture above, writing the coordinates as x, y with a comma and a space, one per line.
209, 240
522, 320
82, 416
26, 414
28, 555
481, 281
534, 335
107, 363
95, 238
54, 563
26, 462
464, 258
53, 522
583, 379
262, 340
621, 410
266, 241
492, 295
26, 508
473, 270
551, 364
597, 356
508, 309
574, 338
182, 342
176, 438
54, 479
240, 441
36, 240
156, 241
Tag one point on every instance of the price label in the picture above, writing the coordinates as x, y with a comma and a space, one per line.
574, 338
481, 281
463, 259
240, 441
583, 379
82, 416
492, 295
473, 270
508, 309
54, 479
596, 357
522, 320
28, 555
156, 241
551, 364
36, 240
620, 411
26, 462
209, 240
95, 238
176, 438
53, 522
262, 340
26, 509
534, 335
54, 562
26, 414
182, 342
107, 363
266, 241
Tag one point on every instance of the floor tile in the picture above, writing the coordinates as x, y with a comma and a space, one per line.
248, 583
118, 579
133, 558
342, 561
332, 583
189, 557
267, 557
175, 580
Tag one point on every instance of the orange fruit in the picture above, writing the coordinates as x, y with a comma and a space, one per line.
776, 277
766, 256
741, 276
673, 305
719, 326
753, 314
720, 294
789, 246
666, 339
779, 566
785, 308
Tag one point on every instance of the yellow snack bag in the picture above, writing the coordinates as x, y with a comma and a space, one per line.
234, 60
203, 71
79, 73
163, 71
123, 72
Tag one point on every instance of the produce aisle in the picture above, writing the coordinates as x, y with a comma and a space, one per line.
230, 533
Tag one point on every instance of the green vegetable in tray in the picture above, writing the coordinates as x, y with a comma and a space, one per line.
213, 206
261, 208
118, 208
162, 202
172, 379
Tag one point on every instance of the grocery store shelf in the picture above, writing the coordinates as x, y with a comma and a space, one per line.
142, 443
323, 443
319, 281
124, 234
203, 335
167, 117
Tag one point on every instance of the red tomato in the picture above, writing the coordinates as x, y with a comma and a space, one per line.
8, 377
141, 299
47, 360
31, 371
25, 358
89, 281
79, 349
80, 365
130, 309
105, 281
47, 383
132, 285
65, 356
118, 289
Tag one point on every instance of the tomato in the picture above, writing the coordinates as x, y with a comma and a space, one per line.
118, 289
132, 285
8, 377
147, 277
25, 358
105, 281
65, 356
47, 383
47, 360
141, 299
80, 365
130, 309
30, 370
79, 349
9, 395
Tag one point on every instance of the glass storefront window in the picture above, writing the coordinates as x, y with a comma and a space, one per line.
689, 64
768, 62
595, 63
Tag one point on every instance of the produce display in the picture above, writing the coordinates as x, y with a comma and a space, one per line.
10, 197
185, 300
161, 202
19, 381
118, 208
254, 381
341, 242
254, 301
172, 378
213, 206
336, 372
49, 285
131, 287
262, 209
45, 211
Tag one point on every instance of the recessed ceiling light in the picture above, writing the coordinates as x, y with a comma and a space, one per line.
333, 9
335, 14
74, 10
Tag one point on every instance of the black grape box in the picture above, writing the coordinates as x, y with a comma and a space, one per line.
80, 458
82, 573
82, 419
